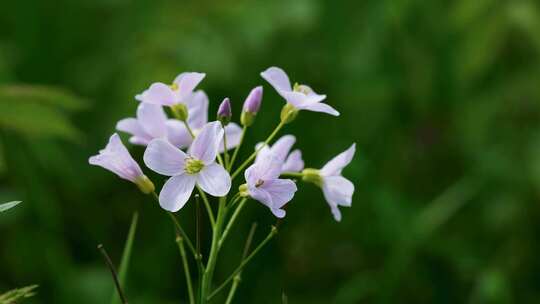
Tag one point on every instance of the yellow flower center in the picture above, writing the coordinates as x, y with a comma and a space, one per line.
194, 166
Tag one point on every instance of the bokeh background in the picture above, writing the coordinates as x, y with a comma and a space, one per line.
441, 97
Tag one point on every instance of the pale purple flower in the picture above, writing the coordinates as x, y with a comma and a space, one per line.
198, 118
151, 123
337, 189
300, 96
291, 162
197, 167
265, 186
253, 101
169, 95
116, 158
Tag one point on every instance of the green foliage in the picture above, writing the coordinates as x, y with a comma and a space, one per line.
7, 206
18, 295
126, 257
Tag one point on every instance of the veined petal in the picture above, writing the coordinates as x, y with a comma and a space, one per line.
159, 94
131, 126
152, 119
294, 162
177, 134
282, 146
334, 166
267, 167
337, 191
277, 78
176, 192
297, 99
197, 105
261, 196
214, 180
164, 158
280, 190
205, 145
188, 81
233, 133
320, 107
116, 158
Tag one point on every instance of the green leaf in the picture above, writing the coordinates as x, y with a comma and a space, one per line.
126, 256
7, 206
45, 95
16, 295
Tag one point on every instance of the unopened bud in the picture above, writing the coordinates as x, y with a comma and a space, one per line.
145, 184
180, 111
224, 113
253, 101
312, 176
243, 190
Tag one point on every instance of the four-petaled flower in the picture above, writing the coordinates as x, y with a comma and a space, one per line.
197, 167
116, 158
265, 186
169, 95
151, 123
337, 189
291, 162
299, 96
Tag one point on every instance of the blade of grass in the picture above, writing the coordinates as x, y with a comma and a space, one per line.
7, 206
126, 256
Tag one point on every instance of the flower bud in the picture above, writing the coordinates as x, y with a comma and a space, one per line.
243, 190
253, 101
145, 184
224, 113
312, 176
180, 111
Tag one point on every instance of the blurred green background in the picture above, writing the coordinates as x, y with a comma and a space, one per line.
441, 97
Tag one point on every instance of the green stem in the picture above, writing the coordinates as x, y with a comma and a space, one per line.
214, 250
234, 287
114, 274
180, 243
178, 227
208, 207
254, 154
188, 128
238, 278
225, 152
292, 174
240, 267
231, 222
231, 163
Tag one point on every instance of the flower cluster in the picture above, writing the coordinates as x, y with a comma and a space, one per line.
172, 123
203, 142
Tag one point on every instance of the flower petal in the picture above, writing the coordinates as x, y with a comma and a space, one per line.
320, 107
197, 105
177, 134
116, 158
267, 167
164, 158
277, 78
188, 81
294, 162
131, 126
159, 94
233, 133
176, 192
205, 145
152, 119
282, 146
334, 166
280, 190
214, 180
337, 191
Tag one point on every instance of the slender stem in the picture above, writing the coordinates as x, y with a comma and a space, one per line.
232, 221
231, 163
220, 160
254, 154
181, 248
208, 207
188, 128
214, 249
113, 273
200, 267
225, 152
238, 278
292, 174
270, 235
178, 227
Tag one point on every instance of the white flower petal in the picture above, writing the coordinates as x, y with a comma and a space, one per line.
281, 191
152, 119
277, 78
334, 166
188, 81
267, 167
205, 145
131, 126
320, 107
282, 146
197, 105
177, 134
294, 162
233, 133
159, 94
164, 158
214, 180
176, 192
